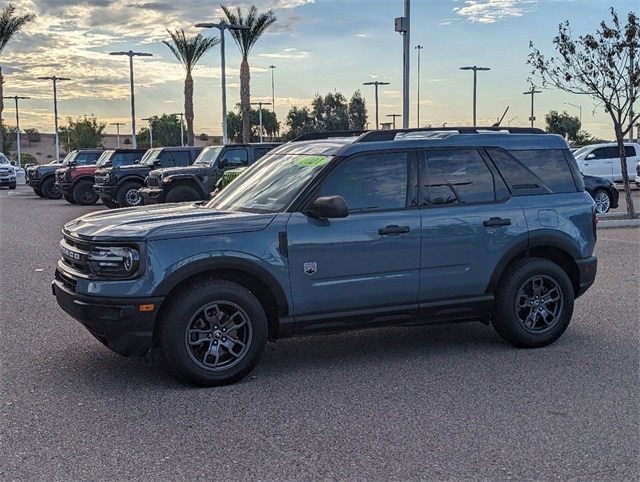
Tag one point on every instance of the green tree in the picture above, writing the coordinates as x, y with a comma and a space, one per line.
357, 112
189, 50
299, 121
331, 112
245, 40
32, 135
563, 124
601, 66
270, 125
10, 24
165, 130
83, 133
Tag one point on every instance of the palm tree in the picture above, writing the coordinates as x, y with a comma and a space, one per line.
245, 39
188, 51
9, 25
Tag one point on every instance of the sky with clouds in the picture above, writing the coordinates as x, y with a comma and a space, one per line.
317, 46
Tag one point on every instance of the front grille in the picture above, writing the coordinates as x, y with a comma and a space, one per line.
102, 178
60, 177
74, 253
153, 181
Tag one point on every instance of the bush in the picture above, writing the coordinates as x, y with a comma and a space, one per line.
27, 158
203, 137
127, 140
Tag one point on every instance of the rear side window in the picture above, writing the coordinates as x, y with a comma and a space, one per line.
538, 171
236, 157
457, 176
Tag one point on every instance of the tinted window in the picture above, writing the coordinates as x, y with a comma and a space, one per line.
181, 158
371, 181
123, 158
629, 151
259, 152
606, 152
456, 176
550, 166
236, 157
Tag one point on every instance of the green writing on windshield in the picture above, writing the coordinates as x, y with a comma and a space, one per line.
312, 161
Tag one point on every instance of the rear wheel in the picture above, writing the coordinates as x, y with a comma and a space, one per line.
50, 190
213, 333
602, 200
182, 194
128, 195
534, 303
84, 194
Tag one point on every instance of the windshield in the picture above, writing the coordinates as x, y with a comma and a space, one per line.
208, 156
270, 185
581, 152
150, 156
105, 158
69, 157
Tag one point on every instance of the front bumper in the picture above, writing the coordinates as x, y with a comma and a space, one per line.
152, 195
8, 181
587, 273
118, 323
66, 188
104, 191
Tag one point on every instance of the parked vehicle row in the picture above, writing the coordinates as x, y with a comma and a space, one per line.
8, 176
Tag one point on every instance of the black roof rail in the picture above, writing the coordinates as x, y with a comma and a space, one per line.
314, 136
390, 134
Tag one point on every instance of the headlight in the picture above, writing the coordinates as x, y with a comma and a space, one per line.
113, 262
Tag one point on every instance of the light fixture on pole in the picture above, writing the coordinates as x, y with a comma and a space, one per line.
532, 92
273, 90
475, 75
376, 84
260, 104
418, 48
577, 107
118, 124
16, 98
181, 114
150, 119
55, 109
132, 54
222, 26
394, 118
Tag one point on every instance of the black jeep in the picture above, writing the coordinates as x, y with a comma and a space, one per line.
198, 181
118, 186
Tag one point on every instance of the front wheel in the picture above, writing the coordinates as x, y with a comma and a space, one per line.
38, 192
602, 200
70, 199
84, 193
128, 195
182, 194
534, 303
50, 190
213, 333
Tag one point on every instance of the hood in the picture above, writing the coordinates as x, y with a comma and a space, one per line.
163, 222
172, 171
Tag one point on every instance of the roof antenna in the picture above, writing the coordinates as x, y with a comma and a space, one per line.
497, 124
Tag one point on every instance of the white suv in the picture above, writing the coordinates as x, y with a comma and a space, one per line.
603, 160
7, 172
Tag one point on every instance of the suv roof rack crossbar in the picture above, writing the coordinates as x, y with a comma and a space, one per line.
314, 136
390, 135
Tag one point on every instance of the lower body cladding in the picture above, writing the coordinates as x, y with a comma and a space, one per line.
123, 325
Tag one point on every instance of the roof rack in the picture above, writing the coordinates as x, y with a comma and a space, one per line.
314, 136
390, 135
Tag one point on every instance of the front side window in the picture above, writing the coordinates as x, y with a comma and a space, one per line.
236, 157
456, 176
372, 181
208, 156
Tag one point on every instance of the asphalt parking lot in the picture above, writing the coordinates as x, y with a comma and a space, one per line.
446, 402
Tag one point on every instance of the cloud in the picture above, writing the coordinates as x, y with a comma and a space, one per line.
290, 53
491, 11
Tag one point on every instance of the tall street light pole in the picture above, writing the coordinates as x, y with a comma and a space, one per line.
376, 84
222, 26
475, 81
402, 26
150, 119
181, 114
16, 97
273, 90
118, 124
260, 114
55, 110
394, 119
132, 54
418, 48
532, 92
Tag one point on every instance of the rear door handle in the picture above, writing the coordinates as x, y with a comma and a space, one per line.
493, 222
393, 229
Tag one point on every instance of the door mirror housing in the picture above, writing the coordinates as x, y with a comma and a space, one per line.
328, 207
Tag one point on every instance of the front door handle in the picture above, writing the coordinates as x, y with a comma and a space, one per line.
494, 222
393, 229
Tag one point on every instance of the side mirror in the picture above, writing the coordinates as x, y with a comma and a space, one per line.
14, 163
222, 163
328, 207
590, 156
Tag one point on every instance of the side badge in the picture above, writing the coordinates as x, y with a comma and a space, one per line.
310, 268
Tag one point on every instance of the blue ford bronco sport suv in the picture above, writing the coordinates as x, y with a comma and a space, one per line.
397, 226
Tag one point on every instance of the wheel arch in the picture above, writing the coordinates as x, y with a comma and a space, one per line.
254, 278
187, 181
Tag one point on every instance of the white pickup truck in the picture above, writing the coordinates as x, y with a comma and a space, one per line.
7, 172
603, 160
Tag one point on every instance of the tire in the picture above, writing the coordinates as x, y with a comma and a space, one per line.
603, 201
70, 199
38, 192
181, 194
12, 186
534, 303
50, 190
109, 203
84, 194
128, 195
213, 333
